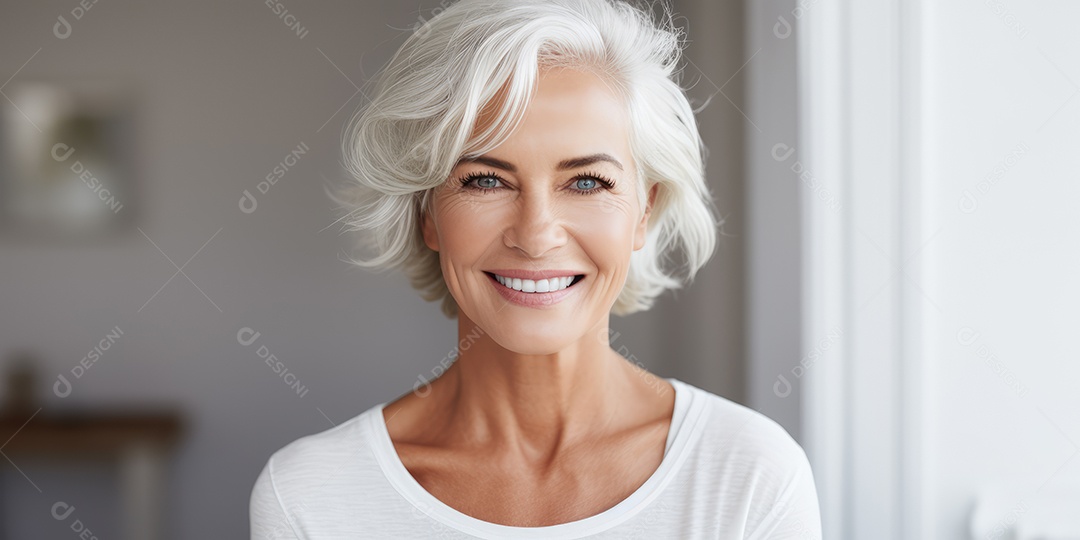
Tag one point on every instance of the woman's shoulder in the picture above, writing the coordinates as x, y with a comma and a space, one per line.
752, 459
310, 455
311, 475
737, 431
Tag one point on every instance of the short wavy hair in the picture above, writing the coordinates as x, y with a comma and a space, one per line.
427, 100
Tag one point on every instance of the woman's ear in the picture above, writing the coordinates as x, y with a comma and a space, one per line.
643, 226
427, 227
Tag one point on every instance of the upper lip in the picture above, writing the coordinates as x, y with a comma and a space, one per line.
534, 274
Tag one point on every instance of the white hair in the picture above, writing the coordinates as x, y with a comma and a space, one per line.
426, 101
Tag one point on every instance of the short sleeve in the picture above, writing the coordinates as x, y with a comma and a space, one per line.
792, 505
267, 515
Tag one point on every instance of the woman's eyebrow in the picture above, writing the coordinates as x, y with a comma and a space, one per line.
572, 163
492, 162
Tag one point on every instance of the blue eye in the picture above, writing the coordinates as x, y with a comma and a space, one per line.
484, 182
589, 184
586, 184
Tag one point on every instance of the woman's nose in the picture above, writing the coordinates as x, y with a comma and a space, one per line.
536, 227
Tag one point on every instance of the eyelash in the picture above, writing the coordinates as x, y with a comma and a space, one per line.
604, 182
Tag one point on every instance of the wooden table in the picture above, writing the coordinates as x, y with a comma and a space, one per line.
141, 441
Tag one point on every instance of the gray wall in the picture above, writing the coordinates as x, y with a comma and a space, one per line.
225, 92
773, 258
711, 349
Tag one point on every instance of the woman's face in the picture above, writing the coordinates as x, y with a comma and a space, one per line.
557, 199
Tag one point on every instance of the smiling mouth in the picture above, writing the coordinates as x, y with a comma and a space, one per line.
540, 286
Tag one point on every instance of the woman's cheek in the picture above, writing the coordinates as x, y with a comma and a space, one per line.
469, 230
610, 219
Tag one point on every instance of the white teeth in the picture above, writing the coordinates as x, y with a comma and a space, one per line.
539, 286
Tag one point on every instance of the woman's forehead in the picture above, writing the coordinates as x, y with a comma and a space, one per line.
573, 114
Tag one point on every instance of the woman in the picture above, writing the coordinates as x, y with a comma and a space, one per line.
530, 164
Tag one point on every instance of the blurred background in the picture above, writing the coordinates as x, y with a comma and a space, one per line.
895, 280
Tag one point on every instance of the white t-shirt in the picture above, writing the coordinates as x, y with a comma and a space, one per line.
727, 472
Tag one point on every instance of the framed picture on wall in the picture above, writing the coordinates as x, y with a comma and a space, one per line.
66, 159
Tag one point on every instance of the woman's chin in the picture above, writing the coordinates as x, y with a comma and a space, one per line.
531, 340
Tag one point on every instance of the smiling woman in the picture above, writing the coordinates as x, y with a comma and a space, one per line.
532, 165
538, 215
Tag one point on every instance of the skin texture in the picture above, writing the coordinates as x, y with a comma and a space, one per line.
539, 421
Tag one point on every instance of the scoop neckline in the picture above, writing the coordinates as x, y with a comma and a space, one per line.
679, 435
